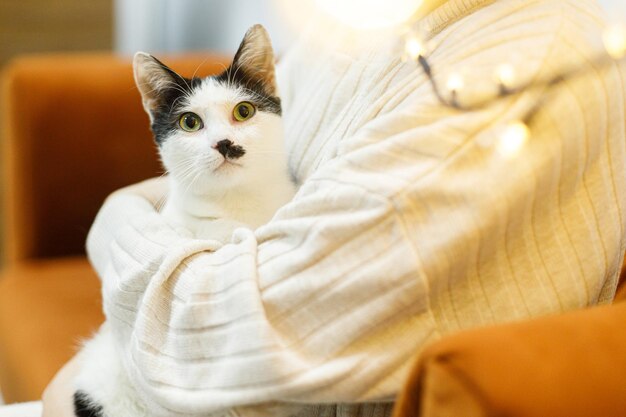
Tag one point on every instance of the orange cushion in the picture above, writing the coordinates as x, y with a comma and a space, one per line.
46, 308
568, 365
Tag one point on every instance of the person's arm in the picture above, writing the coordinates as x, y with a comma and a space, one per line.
415, 229
326, 303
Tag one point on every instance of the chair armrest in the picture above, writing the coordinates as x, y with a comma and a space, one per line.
568, 365
75, 131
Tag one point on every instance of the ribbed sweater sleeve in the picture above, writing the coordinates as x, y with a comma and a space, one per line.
409, 224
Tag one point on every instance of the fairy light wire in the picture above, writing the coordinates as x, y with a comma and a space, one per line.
505, 90
517, 132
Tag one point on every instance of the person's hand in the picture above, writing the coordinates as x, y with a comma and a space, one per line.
58, 398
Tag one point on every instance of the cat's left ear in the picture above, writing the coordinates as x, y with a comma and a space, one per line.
255, 57
154, 80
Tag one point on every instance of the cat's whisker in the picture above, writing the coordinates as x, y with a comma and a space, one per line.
184, 80
182, 170
229, 73
237, 67
186, 173
224, 67
160, 203
174, 103
193, 181
258, 97
169, 84
198, 67
193, 178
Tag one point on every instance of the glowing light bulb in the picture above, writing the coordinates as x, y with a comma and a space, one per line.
455, 83
505, 75
513, 139
370, 14
414, 48
615, 41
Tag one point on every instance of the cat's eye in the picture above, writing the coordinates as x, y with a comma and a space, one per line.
243, 111
190, 122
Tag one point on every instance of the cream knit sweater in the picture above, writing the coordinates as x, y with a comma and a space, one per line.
405, 228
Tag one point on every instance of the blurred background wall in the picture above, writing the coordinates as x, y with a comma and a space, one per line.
180, 25
54, 25
153, 25
126, 26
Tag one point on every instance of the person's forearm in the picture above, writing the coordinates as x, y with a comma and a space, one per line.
212, 299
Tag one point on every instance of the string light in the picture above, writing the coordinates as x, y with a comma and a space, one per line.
455, 83
615, 41
505, 76
414, 47
513, 138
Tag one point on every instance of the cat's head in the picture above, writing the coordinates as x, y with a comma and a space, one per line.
219, 131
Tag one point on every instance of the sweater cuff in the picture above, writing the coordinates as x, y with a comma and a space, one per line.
130, 222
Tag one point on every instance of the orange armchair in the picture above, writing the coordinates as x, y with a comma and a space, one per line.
570, 365
74, 131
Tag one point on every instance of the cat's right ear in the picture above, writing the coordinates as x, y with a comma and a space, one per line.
153, 79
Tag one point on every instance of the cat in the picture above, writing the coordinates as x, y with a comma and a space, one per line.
220, 139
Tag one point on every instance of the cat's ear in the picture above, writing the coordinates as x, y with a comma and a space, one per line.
153, 79
255, 57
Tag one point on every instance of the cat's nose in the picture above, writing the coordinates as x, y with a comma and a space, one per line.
223, 146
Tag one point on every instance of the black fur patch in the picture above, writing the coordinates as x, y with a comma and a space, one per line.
84, 406
238, 77
235, 152
167, 112
230, 150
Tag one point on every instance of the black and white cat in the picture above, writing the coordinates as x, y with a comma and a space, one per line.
221, 140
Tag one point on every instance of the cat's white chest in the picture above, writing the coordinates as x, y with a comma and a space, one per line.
220, 229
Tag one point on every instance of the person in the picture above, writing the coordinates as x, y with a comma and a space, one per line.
413, 220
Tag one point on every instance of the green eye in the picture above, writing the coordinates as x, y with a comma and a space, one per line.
190, 122
243, 111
